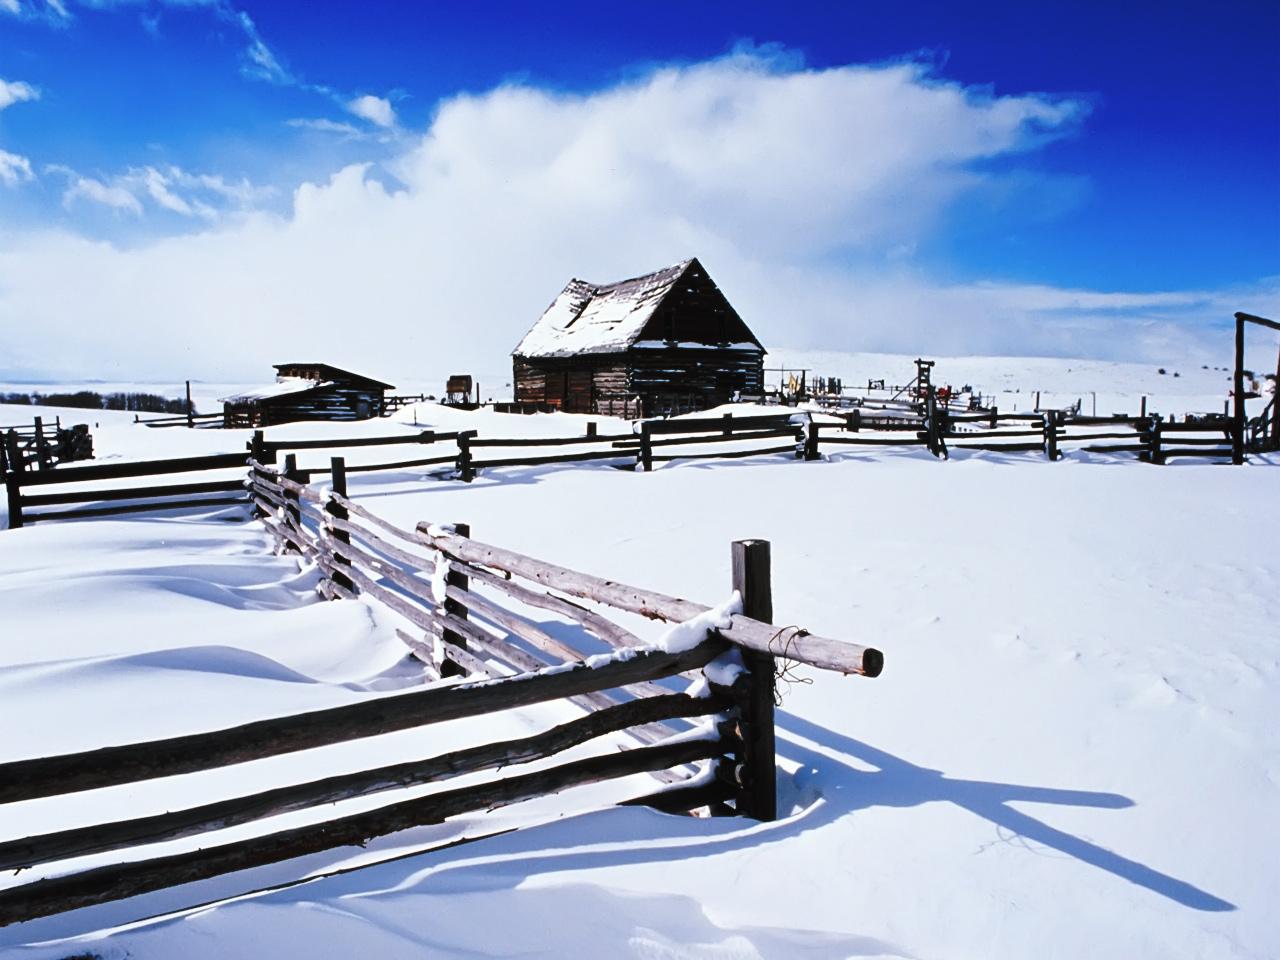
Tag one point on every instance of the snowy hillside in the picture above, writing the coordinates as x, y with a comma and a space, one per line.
1074, 750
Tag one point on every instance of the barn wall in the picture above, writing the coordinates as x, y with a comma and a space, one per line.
332, 403
642, 382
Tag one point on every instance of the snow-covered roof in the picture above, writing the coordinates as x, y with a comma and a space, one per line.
601, 318
281, 388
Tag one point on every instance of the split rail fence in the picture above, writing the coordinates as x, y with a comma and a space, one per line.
464, 455
475, 614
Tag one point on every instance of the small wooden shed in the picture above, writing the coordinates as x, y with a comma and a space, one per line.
307, 391
668, 342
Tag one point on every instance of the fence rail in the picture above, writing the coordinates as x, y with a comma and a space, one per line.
42, 447
470, 610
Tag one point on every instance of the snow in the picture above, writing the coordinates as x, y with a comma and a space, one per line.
283, 387
598, 318
689, 634
1074, 750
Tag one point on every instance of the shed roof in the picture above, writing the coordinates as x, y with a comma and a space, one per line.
284, 387
601, 318
332, 373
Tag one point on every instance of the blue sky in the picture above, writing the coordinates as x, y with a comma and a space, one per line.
139, 122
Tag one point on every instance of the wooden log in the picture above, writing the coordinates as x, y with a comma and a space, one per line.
134, 508
559, 458
726, 454
802, 647
365, 514
300, 491
220, 815
116, 882
1194, 452
132, 493
758, 797
424, 436
379, 544
591, 437
598, 626
108, 766
682, 441
145, 468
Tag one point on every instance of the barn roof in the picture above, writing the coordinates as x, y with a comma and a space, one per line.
332, 373
601, 318
285, 387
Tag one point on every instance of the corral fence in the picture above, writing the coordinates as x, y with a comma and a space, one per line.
476, 615
41, 446
464, 455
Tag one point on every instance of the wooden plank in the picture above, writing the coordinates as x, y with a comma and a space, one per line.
425, 436
220, 815
133, 508
108, 766
144, 468
118, 881
552, 441
132, 493
727, 454
559, 458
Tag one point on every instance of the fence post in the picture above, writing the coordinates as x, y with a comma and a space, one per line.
455, 578
646, 448
995, 414
338, 475
42, 445
466, 473
1237, 438
728, 424
1051, 434
853, 420
17, 463
591, 428
757, 795
190, 409
1157, 456
293, 513
12, 481
811, 443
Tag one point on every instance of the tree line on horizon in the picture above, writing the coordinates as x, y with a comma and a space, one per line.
92, 400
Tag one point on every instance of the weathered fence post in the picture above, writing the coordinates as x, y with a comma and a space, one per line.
646, 448
338, 476
191, 411
995, 415
1143, 411
728, 424
758, 789
12, 486
466, 472
42, 445
1051, 434
853, 420
933, 425
17, 463
455, 578
1157, 456
811, 443
591, 428
1237, 437
293, 516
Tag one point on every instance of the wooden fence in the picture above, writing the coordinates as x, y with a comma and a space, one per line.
474, 611
40, 446
88, 497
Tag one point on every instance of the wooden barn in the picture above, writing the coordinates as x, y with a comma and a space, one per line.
665, 343
307, 391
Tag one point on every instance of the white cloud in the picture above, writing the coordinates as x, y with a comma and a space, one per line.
321, 125
114, 196
16, 91
377, 110
14, 169
10, 6
799, 189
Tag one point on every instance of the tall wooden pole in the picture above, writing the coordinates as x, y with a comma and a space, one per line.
338, 478
758, 792
1237, 438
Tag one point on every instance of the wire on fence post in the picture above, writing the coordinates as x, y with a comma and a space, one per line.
758, 789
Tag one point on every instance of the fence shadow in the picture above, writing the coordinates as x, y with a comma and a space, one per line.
899, 783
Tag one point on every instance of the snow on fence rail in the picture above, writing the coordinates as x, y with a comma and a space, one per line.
469, 610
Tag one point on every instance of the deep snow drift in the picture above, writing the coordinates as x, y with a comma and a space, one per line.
1074, 749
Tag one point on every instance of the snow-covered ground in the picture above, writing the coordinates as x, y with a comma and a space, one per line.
1074, 749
